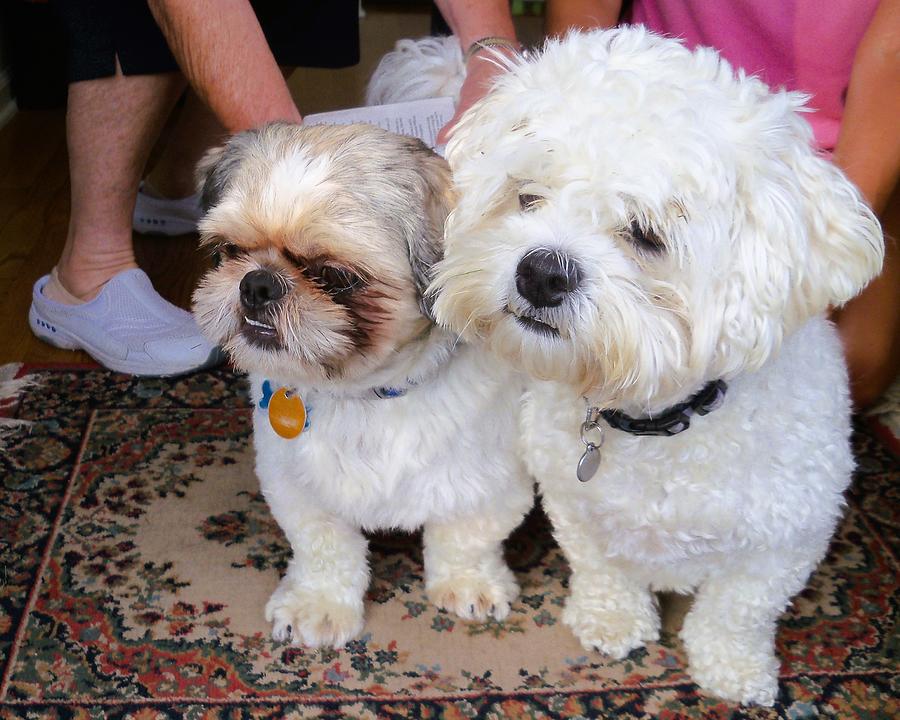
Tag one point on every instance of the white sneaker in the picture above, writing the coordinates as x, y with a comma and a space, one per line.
162, 216
127, 327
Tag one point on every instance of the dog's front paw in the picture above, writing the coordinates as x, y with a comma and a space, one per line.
312, 618
613, 625
475, 597
730, 665
749, 681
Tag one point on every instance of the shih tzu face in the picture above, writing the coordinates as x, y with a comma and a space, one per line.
327, 237
635, 219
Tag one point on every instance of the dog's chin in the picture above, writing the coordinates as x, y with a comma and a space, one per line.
256, 345
265, 356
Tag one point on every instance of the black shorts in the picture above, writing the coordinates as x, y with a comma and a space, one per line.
301, 33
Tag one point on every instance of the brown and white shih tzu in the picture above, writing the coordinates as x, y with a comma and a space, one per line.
366, 414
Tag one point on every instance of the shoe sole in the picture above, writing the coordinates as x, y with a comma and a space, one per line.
54, 335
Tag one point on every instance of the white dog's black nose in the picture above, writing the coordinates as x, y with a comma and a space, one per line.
545, 277
260, 288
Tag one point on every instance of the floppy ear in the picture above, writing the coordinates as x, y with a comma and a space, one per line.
803, 237
211, 176
846, 243
426, 246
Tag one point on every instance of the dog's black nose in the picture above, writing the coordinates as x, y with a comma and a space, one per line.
261, 287
545, 277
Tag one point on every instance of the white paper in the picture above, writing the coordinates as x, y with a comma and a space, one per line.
418, 118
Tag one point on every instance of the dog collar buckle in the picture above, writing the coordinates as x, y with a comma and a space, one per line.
592, 438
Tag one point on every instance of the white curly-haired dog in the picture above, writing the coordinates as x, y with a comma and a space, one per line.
651, 236
367, 415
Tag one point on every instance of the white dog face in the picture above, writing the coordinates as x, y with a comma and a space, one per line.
327, 236
635, 219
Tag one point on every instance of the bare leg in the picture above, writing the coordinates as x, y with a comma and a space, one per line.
561, 16
195, 131
111, 126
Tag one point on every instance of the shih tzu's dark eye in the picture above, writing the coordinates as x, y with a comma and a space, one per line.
225, 251
338, 280
644, 238
528, 201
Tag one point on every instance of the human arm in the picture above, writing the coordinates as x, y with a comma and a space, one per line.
203, 36
561, 16
472, 20
868, 150
868, 146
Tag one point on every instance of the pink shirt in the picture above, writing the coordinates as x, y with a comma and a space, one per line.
805, 45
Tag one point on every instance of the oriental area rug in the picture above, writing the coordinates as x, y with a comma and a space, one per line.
137, 555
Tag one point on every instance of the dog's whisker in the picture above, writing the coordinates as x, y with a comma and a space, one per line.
462, 332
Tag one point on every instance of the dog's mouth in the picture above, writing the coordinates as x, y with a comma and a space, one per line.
534, 325
260, 333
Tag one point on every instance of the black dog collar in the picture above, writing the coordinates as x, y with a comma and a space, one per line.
674, 420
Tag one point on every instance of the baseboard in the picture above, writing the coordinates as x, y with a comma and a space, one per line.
7, 103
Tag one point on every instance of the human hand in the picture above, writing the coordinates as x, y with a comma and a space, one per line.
481, 71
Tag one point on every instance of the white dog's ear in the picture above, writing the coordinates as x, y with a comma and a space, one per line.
426, 243
807, 239
845, 240
803, 237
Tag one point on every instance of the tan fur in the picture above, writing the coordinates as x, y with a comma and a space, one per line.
291, 199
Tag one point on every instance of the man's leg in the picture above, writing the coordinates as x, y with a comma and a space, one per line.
195, 131
111, 126
97, 300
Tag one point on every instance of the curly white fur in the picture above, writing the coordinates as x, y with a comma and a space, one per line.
709, 239
418, 69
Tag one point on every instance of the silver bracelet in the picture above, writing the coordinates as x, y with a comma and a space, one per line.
489, 42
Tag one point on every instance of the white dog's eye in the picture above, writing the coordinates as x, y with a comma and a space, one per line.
645, 238
527, 201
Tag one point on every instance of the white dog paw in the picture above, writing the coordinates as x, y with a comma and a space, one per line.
475, 597
613, 628
740, 666
312, 618
745, 679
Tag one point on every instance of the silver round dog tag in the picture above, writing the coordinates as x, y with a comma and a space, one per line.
589, 463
